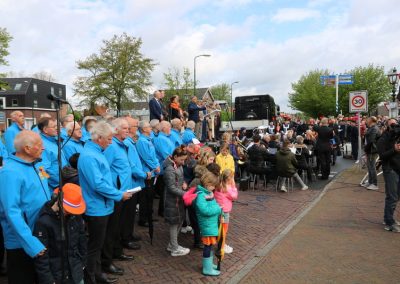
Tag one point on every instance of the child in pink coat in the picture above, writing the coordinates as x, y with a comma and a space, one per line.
224, 195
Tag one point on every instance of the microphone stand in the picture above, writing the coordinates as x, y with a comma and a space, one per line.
60, 186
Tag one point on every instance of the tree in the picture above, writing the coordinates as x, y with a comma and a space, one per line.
222, 92
44, 75
5, 39
314, 99
180, 84
118, 73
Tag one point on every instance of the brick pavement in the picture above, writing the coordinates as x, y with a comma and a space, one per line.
258, 217
341, 240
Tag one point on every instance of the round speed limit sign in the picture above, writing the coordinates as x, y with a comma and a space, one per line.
358, 101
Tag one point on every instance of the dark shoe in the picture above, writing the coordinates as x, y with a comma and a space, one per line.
131, 245
124, 257
143, 224
198, 246
102, 278
136, 238
112, 269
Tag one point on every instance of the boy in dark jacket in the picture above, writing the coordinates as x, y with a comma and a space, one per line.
68, 255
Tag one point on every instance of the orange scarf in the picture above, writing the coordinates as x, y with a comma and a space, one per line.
175, 106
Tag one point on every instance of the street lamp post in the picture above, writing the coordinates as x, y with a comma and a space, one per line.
393, 77
232, 98
194, 70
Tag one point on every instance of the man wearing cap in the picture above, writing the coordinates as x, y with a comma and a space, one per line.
188, 134
16, 127
23, 191
48, 133
117, 157
71, 254
147, 154
74, 144
100, 194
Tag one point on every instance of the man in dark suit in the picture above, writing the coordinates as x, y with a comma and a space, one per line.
323, 146
155, 107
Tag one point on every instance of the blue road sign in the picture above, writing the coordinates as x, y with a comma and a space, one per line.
345, 79
328, 80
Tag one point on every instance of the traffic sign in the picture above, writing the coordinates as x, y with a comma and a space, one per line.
345, 79
358, 101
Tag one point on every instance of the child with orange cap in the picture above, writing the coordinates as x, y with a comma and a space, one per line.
69, 254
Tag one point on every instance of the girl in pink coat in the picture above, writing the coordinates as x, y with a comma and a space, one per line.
224, 195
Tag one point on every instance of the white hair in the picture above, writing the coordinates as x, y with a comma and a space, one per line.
87, 118
25, 138
118, 123
154, 123
175, 122
143, 124
101, 129
191, 124
70, 125
15, 113
164, 124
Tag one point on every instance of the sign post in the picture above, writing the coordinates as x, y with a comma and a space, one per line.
358, 102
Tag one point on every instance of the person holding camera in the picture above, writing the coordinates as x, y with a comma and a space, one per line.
388, 147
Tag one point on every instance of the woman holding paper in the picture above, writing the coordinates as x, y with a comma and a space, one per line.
175, 187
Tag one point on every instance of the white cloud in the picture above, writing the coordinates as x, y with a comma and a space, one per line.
294, 15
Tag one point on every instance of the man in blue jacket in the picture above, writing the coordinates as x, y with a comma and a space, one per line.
16, 127
64, 121
74, 144
193, 110
23, 191
164, 148
99, 194
3, 153
147, 154
48, 132
138, 176
117, 157
188, 134
175, 136
155, 107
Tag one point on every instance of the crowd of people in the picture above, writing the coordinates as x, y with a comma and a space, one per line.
110, 168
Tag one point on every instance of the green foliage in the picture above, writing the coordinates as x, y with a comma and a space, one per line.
5, 39
178, 84
313, 99
118, 73
222, 92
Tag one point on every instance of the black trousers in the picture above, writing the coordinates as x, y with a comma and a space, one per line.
97, 226
21, 269
194, 224
159, 189
324, 158
127, 222
112, 234
146, 197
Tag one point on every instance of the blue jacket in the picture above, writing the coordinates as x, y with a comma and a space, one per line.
193, 110
175, 138
71, 147
187, 136
147, 154
138, 174
23, 192
3, 151
208, 212
117, 156
164, 148
9, 137
85, 135
36, 129
50, 159
96, 181
155, 108
63, 134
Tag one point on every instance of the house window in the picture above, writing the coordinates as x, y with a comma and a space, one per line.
60, 92
52, 90
35, 88
52, 105
35, 103
2, 103
17, 87
14, 102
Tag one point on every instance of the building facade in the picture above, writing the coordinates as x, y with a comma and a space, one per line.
29, 95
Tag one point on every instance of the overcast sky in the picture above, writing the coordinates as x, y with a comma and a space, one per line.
264, 44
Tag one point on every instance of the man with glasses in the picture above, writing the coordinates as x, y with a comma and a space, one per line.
48, 133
